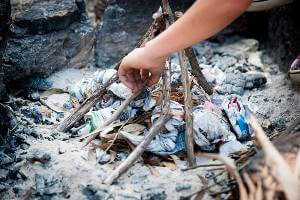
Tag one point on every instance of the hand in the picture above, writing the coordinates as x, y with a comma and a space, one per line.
139, 68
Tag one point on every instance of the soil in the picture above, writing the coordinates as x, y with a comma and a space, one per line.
44, 164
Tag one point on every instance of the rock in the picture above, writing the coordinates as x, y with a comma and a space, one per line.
124, 23
254, 80
46, 36
35, 114
5, 122
93, 193
182, 187
155, 195
239, 48
5, 11
5, 159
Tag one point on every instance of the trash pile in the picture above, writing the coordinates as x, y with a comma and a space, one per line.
219, 122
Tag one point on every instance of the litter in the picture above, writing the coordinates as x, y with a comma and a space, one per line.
211, 130
234, 108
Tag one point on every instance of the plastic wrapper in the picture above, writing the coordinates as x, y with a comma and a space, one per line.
234, 108
210, 129
170, 140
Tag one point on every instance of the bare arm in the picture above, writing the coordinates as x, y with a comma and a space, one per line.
204, 19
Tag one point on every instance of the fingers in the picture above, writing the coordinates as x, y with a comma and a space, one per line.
124, 78
154, 78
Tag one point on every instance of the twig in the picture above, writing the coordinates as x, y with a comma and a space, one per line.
205, 165
130, 160
114, 117
231, 167
278, 166
189, 139
28, 194
116, 136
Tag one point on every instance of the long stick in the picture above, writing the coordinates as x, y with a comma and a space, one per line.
138, 151
189, 140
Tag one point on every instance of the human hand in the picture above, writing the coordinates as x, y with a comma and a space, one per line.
140, 67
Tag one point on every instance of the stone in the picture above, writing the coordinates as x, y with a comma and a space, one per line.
93, 193
124, 23
5, 122
182, 187
239, 48
5, 11
254, 80
155, 195
47, 36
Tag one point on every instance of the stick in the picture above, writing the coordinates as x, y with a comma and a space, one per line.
189, 139
138, 151
204, 165
156, 27
274, 160
196, 70
114, 117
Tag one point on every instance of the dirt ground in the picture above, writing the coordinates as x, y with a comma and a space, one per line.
52, 165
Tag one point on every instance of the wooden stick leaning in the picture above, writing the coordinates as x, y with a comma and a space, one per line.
189, 139
138, 151
156, 27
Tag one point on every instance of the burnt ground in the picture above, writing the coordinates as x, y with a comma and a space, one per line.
40, 163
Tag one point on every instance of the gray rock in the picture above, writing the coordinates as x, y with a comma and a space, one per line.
93, 193
182, 187
5, 122
124, 23
47, 36
5, 11
155, 195
255, 80
5, 159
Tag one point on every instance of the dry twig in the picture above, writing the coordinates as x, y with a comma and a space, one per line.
189, 139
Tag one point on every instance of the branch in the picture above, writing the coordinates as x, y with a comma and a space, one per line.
189, 139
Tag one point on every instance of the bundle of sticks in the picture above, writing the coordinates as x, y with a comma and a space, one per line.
159, 25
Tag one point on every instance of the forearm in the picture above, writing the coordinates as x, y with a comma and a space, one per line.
204, 19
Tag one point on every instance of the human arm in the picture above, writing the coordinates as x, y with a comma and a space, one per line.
204, 19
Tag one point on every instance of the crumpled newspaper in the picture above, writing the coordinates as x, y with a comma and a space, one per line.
210, 129
234, 108
171, 139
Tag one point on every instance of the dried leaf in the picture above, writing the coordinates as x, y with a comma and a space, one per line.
153, 171
169, 165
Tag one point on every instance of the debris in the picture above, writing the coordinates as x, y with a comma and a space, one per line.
235, 110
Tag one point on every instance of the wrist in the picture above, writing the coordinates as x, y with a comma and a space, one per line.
154, 49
